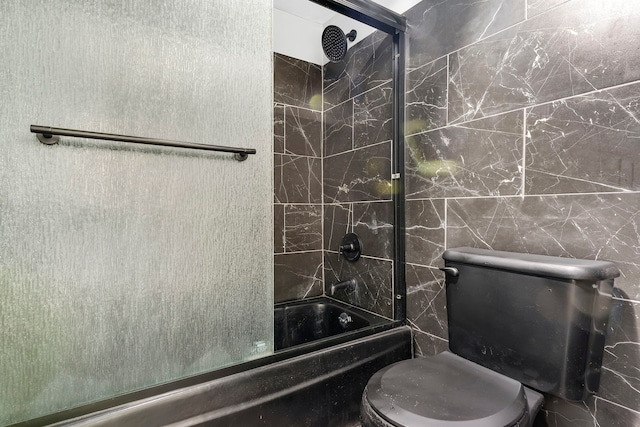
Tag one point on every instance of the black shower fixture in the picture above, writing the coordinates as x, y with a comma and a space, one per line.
334, 42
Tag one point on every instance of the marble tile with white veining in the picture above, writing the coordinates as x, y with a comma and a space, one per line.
536, 7
297, 179
373, 116
302, 228
373, 223
338, 129
620, 382
358, 175
426, 300
425, 345
593, 226
303, 132
585, 143
297, 82
278, 228
336, 92
426, 97
278, 129
297, 276
479, 158
338, 221
366, 65
425, 231
436, 28
374, 282
575, 48
372, 62
593, 413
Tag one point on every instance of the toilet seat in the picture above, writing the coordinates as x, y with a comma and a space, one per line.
443, 391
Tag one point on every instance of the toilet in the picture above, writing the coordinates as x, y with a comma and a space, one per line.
520, 325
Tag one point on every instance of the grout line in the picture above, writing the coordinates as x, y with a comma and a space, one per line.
618, 405
358, 148
585, 94
322, 156
358, 307
626, 300
422, 265
446, 221
364, 256
446, 112
427, 333
351, 98
360, 201
513, 196
353, 125
297, 155
310, 251
281, 104
524, 152
298, 204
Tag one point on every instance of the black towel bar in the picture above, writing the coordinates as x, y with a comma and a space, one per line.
48, 135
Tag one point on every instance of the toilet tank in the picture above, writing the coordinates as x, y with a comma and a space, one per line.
538, 319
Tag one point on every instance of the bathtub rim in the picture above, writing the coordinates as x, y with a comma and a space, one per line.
119, 402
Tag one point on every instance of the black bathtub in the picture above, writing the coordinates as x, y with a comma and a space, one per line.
317, 381
300, 322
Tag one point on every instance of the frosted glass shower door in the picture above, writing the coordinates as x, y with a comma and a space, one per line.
122, 268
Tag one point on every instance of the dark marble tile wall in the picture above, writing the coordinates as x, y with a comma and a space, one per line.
373, 282
357, 186
523, 121
297, 145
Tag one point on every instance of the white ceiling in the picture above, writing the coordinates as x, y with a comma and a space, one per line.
298, 26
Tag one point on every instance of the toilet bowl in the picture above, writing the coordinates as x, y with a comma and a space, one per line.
519, 325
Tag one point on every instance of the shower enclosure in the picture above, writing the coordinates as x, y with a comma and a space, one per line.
129, 271
337, 133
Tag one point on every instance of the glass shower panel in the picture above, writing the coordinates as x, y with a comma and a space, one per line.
358, 189
122, 268
333, 127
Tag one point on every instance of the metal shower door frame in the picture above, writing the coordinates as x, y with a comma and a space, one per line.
395, 25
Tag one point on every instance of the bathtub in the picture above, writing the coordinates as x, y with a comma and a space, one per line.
316, 378
300, 322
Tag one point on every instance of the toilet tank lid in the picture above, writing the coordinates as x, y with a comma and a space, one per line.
541, 265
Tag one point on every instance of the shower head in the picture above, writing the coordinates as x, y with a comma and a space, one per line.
334, 42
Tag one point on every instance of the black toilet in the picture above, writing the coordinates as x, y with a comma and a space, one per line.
519, 325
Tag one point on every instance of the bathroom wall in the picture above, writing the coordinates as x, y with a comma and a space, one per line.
122, 267
297, 147
332, 133
523, 125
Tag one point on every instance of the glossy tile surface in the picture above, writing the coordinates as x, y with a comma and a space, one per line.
425, 231
303, 132
436, 28
297, 275
426, 97
297, 83
358, 175
569, 50
599, 226
480, 158
585, 143
374, 282
297, 179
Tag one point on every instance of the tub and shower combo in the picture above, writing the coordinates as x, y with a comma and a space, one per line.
328, 350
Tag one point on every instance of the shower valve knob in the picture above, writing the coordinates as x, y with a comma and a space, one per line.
350, 247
